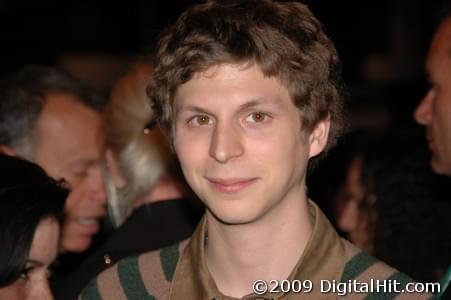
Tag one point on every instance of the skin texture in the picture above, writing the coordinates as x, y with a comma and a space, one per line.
353, 194
34, 285
70, 147
240, 143
434, 110
353, 219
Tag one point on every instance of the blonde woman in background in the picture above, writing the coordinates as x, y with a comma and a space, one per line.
147, 196
140, 167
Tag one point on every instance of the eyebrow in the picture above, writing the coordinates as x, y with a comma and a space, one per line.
244, 106
259, 101
90, 162
35, 262
192, 108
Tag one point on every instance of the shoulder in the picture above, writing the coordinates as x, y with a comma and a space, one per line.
147, 276
367, 272
360, 265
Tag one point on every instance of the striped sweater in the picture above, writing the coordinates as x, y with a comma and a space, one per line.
180, 272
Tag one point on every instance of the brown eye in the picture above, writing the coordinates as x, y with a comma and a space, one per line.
200, 120
25, 273
257, 117
203, 120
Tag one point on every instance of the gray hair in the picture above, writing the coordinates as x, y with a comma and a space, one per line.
22, 97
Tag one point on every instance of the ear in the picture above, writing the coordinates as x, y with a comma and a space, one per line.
318, 137
113, 167
8, 150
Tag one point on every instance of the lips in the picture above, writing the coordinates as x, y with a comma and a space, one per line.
84, 226
230, 185
87, 222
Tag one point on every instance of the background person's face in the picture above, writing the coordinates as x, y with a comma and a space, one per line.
434, 110
33, 284
351, 196
239, 140
354, 218
71, 147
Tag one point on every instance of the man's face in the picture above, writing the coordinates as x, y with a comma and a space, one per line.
239, 141
70, 146
434, 110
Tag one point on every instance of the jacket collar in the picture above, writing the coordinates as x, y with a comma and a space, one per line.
323, 258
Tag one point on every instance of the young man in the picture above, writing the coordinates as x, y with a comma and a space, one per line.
248, 92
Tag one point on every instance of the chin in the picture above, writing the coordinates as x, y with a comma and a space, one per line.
440, 167
237, 215
232, 220
76, 244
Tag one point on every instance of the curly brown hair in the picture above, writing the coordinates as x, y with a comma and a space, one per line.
284, 39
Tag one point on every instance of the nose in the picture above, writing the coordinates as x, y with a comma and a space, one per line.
99, 194
98, 191
97, 188
226, 143
40, 291
46, 293
423, 112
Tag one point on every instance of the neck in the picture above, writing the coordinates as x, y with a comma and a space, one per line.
267, 249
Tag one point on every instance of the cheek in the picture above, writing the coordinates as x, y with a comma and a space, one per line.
14, 291
191, 149
39, 287
442, 121
70, 178
281, 150
442, 103
446, 110
74, 198
281, 160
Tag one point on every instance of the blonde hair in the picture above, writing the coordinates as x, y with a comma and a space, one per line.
141, 153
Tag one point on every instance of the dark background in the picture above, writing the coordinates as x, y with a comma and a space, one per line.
382, 44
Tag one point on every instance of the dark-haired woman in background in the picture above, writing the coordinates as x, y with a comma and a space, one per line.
31, 208
397, 209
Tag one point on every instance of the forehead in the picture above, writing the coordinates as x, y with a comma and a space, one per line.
64, 116
58, 103
45, 242
230, 83
68, 129
440, 50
